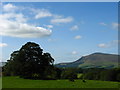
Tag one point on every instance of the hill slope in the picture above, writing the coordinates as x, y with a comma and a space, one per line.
100, 60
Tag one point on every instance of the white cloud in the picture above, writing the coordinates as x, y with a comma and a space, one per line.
3, 45
74, 52
13, 17
23, 30
15, 25
111, 44
49, 26
78, 37
56, 19
102, 45
75, 27
102, 23
9, 8
115, 25
42, 14
61, 20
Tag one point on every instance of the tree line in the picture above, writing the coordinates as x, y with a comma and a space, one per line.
102, 74
30, 62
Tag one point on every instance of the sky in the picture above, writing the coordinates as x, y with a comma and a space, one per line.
60, 0
67, 30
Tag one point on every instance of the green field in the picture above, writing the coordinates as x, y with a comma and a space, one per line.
16, 82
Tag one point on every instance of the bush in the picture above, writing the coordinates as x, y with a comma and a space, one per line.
69, 74
118, 77
90, 76
108, 75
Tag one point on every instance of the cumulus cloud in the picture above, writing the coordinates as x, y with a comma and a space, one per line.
59, 20
102, 45
3, 45
78, 37
56, 19
9, 7
42, 14
13, 17
23, 30
74, 28
15, 25
102, 23
74, 52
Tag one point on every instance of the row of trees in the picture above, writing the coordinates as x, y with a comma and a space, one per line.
30, 62
91, 74
102, 74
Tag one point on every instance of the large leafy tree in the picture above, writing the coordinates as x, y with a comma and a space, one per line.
30, 62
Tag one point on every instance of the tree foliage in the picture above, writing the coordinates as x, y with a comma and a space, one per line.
30, 62
102, 74
69, 74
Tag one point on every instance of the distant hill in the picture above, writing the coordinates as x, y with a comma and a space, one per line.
98, 60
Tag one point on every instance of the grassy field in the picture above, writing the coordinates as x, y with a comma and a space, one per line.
16, 82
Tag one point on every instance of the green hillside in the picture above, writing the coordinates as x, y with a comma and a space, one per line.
99, 60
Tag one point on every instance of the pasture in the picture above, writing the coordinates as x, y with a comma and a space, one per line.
16, 82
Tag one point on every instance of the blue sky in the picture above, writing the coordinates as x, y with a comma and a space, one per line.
60, 0
66, 30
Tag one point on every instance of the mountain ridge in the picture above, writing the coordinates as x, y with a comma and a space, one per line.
98, 59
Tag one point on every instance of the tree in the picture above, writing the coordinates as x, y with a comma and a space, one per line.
29, 62
47, 59
9, 67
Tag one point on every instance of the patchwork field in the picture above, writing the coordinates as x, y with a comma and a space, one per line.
16, 82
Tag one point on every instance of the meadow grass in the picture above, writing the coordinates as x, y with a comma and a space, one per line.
16, 82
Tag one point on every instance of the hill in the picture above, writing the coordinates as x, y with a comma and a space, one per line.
95, 60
